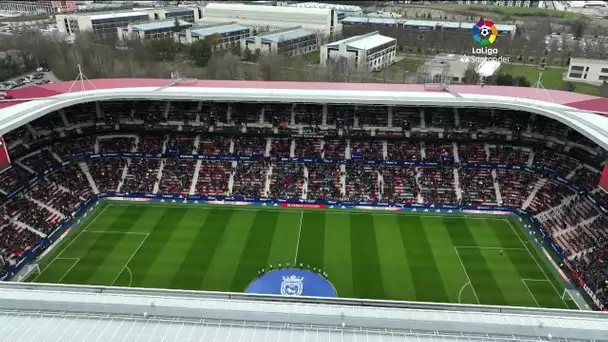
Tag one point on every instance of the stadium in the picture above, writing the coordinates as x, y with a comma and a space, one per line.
151, 209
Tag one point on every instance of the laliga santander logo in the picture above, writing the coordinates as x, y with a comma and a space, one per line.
485, 33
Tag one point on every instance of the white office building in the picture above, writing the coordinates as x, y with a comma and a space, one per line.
342, 10
222, 35
151, 30
288, 42
370, 51
106, 23
269, 18
592, 71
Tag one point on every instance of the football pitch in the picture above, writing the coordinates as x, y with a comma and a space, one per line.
378, 255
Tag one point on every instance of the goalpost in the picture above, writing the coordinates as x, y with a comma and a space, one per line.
576, 298
31, 270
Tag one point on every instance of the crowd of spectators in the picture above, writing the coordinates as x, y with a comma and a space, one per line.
250, 179
434, 152
107, 173
14, 241
184, 111
324, 181
587, 178
73, 180
247, 146
400, 150
509, 155
437, 185
515, 186
399, 184
54, 196
151, 144
213, 178
287, 180
30, 213
39, 160
551, 195
335, 149
214, 146
65, 149
116, 144
561, 163
142, 175
362, 183
180, 144
368, 149
472, 153
280, 147
477, 187
311, 148
177, 176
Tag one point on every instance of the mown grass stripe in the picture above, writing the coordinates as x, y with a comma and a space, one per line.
103, 247
337, 260
367, 277
311, 250
486, 287
257, 249
423, 267
192, 271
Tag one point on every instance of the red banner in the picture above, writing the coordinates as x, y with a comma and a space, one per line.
5, 161
307, 206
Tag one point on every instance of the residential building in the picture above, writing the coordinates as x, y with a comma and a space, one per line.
262, 18
592, 71
222, 35
289, 42
39, 6
152, 29
370, 51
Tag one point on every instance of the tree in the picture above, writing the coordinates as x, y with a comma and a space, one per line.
470, 75
521, 81
163, 49
199, 52
568, 86
246, 56
176, 26
578, 27
603, 91
504, 80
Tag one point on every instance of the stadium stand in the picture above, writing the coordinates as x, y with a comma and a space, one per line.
574, 219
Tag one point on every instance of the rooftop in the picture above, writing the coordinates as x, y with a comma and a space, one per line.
88, 313
363, 42
240, 8
209, 30
159, 25
115, 15
284, 35
423, 23
588, 60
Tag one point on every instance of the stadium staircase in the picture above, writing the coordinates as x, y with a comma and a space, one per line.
197, 172
305, 184
268, 147
16, 222
543, 216
581, 224
455, 153
347, 150
268, 180
539, 184
422, 151
418, 172
197, 142
96, 146
159, 175
45, 206
456, 117
385, 150
531, 159
571, 174
292, 149
231, 150
64, 118
31, 129
457, 184
343, 179
486, 147
125, 172
18, 162
497, 187
422, 120
231, 179
85, 169
263, 113
55, 155
167, 110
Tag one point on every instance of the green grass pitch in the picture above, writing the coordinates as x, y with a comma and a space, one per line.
378, 255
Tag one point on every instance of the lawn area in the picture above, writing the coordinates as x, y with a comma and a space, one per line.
313, 57
406, 65
551, 79
402, 256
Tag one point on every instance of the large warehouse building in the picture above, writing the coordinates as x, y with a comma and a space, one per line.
269, 18
107, 23
369, 51
592, 71
222, 35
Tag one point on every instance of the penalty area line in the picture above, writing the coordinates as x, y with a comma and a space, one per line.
467, 274
128, 261
295, 259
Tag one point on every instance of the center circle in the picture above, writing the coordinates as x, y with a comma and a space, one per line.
292, 282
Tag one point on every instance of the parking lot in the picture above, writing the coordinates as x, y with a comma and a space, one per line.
30, 79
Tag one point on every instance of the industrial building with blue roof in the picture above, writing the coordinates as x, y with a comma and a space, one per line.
152, 29
224, 35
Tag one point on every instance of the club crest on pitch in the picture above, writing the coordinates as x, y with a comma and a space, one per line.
292, 286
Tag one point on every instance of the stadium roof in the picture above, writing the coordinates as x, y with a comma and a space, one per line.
239, 8
95, 313
424, 23
575, 110
205, 31
283, 35
159, 25
363, 42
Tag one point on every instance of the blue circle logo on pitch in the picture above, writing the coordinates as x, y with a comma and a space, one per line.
292, 282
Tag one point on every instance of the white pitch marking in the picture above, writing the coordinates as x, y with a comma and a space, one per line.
299, 233
530, 292
128, 261
467, 274
69, 269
